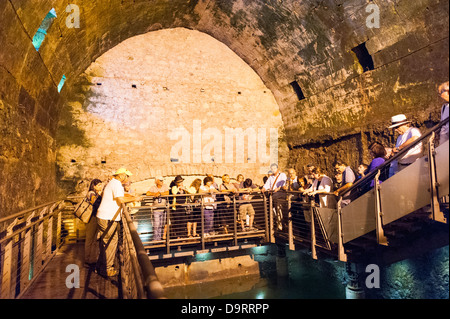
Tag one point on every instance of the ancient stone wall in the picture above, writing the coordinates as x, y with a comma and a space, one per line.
169, 102
285, 42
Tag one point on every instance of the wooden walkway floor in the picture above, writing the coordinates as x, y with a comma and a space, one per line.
51, 283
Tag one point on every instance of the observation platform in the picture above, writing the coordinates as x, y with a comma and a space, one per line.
397, 218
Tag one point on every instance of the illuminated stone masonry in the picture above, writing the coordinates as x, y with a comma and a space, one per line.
172, 102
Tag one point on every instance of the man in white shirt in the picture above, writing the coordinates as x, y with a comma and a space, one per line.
108, 217
407, 136
348, 178
320, 189
292, 183
275, 181
275, 184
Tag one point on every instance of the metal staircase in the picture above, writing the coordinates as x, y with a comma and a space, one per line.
406, 212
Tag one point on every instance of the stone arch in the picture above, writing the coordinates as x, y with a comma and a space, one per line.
169, 102
285, 42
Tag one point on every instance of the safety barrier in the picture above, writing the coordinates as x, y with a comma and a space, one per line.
139, 280
173, 221
28, 241
378, 201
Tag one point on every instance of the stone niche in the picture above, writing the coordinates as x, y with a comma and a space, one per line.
169, 102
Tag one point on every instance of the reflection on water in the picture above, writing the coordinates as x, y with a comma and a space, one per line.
255, 287
308, 279
215, 289
292, 288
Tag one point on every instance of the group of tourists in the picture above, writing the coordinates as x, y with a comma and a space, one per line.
106, 200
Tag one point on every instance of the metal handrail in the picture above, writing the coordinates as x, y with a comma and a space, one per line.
37, 220
150, 282
400, 154
26, 211
36, 240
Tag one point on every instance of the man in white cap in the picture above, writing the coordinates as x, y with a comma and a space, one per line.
108, 217
159, 211
407, 136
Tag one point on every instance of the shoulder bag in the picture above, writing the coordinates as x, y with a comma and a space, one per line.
83, 210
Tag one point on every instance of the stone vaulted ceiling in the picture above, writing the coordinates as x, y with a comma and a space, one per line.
309, 42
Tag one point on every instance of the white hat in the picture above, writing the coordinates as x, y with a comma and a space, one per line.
123, 171
398, 120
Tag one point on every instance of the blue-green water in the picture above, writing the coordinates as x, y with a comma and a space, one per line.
310, 287
306, 279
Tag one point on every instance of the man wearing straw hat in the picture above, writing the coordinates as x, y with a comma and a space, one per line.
108, 217
407, 136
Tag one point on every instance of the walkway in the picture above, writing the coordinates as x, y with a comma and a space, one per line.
405, 214
51, 284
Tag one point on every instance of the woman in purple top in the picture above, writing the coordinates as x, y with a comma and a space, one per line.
378, 153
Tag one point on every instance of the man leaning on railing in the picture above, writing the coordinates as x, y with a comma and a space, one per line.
407, 136
108, 218
274, 185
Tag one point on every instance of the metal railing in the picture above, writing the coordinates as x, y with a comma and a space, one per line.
184, 220
139, 279
366, 183
381, 197
287, 215
28, 241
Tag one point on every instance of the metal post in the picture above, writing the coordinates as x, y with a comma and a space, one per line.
38, 250
313, 232
381, 239
342, 256
168, 228
235, 221
436, 213
354, 290
266, 217
7, 276
202, 216
272, 230
58, 228
48, 249
25, 274
290, 230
